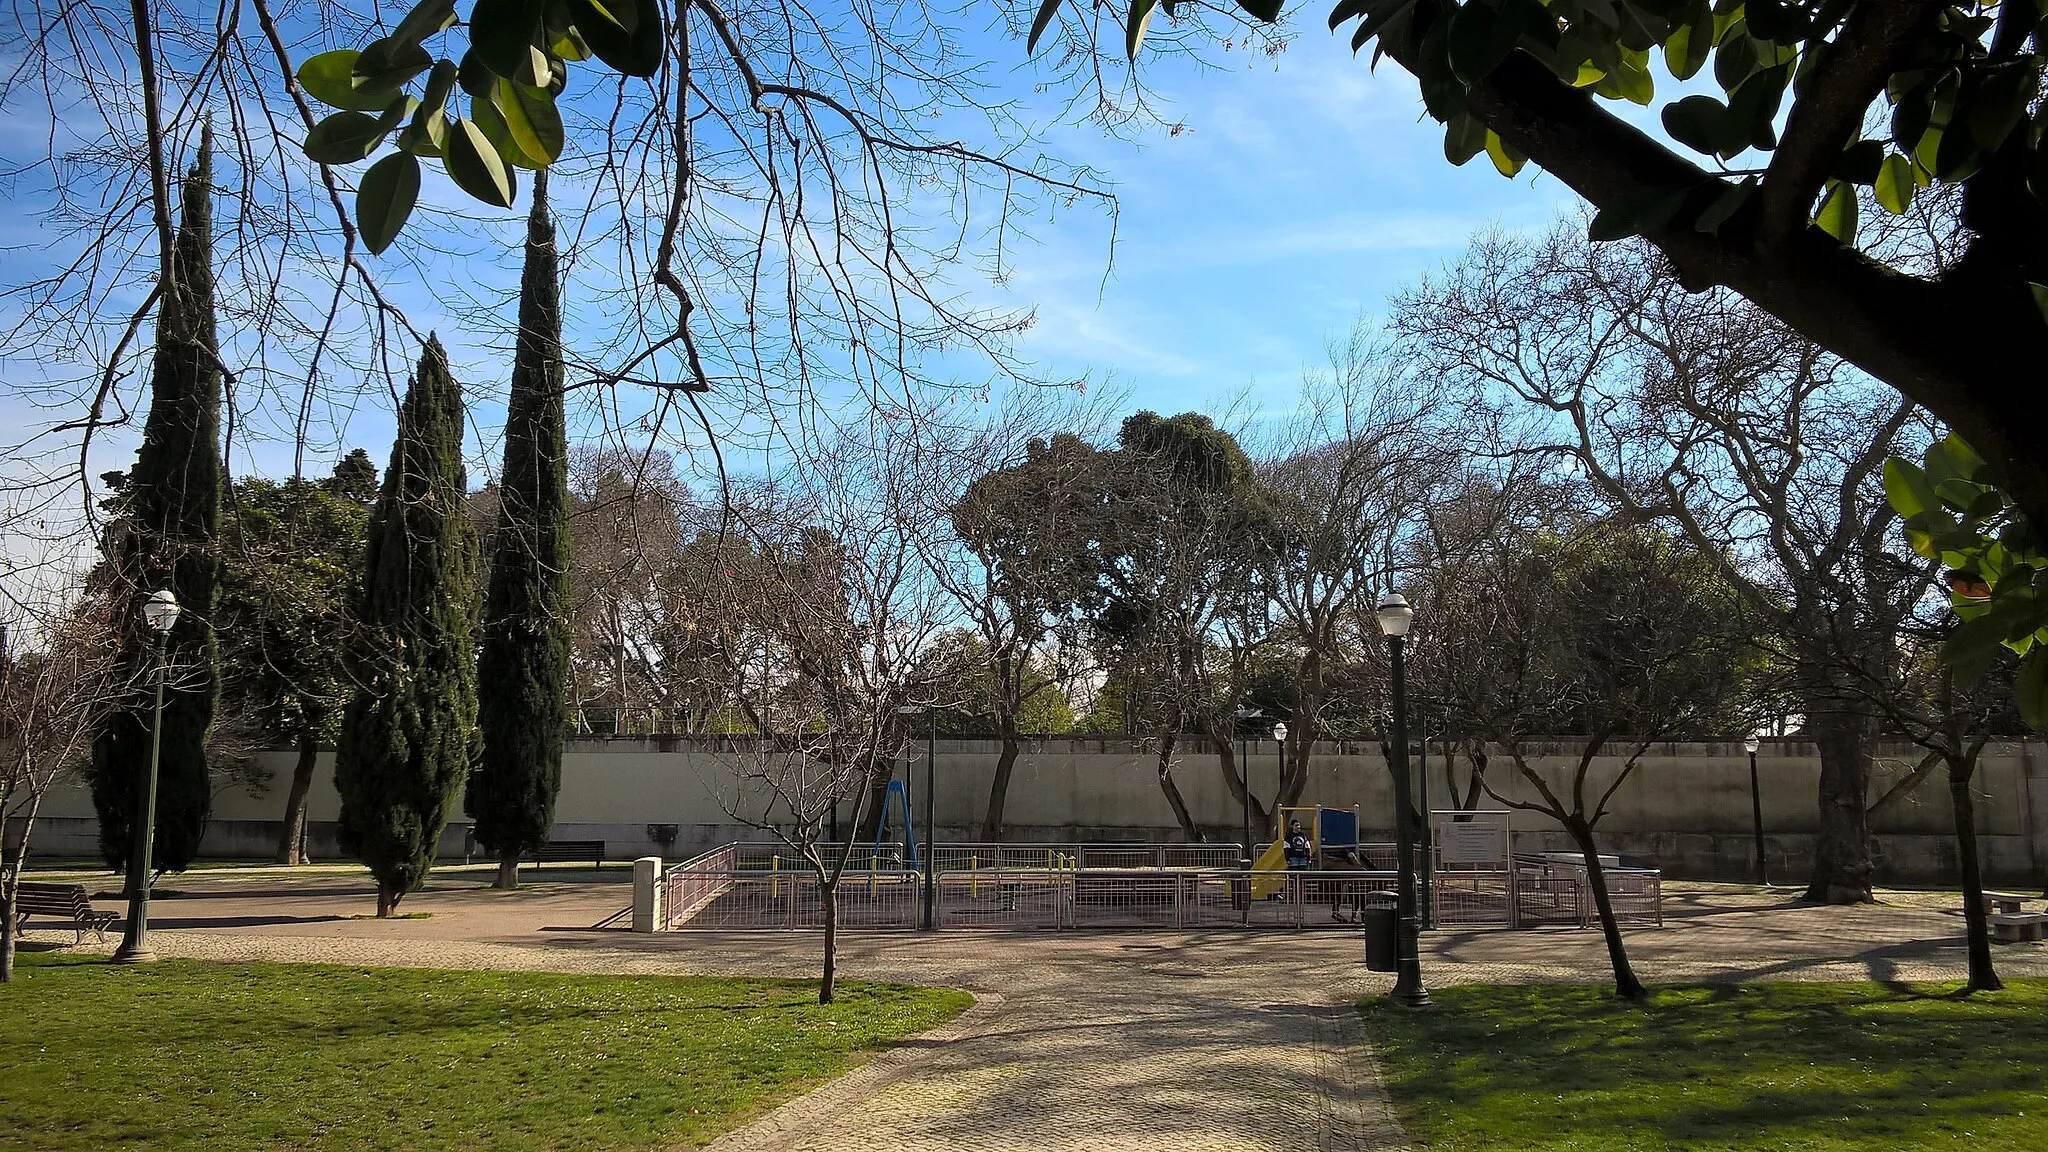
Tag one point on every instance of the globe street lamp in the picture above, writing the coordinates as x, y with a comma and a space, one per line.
159, 613
1394, 616
1279, 784
1756, 810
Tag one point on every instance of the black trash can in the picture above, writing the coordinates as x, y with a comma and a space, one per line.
1382, 929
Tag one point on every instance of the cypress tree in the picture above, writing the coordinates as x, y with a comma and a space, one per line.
165, 538
523, 667
408, 737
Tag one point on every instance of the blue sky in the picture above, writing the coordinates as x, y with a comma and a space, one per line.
1301, 190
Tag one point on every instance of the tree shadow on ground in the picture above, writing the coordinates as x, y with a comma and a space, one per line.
1727, 1066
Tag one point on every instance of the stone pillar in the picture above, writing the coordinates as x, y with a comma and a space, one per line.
647, 894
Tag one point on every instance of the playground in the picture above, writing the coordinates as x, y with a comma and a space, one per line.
1320, 875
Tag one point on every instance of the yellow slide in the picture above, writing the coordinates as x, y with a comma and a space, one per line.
1269, 869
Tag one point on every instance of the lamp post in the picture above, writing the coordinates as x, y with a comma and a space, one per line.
1279, 784
1244, 765
159, 612
928, 883
1394, 616
1756, 810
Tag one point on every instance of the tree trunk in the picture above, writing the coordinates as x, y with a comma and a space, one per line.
8, 928
1844, 730
828, 891
999, 788
1983, 977
508, 870
291, 845
387, 901
1626, 985
1172, 790
871, 821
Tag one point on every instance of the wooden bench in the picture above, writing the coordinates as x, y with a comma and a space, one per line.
65, 902
2011, 928
569, 851
2009, 903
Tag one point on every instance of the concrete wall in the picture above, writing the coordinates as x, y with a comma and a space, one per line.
1686, 807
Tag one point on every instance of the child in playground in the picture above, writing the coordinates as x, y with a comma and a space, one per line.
1298, 847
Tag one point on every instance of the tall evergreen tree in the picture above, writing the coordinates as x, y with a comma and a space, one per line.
523, 709
408, 737
164, 537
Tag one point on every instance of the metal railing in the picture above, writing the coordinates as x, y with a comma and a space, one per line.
1040, 887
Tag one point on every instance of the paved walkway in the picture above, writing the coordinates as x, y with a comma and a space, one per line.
1182, 1041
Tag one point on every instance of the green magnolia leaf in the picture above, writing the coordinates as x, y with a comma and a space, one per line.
330, 78
426, 18
1859, 162
1894, 184
389, 64
476, 167
491, 121
570, 46
635, 53
474, 76
1701, 123
1139, 16
425, 137
500, 31
385, 198
1482, 35
1042, 21
1636, 211
1957, 458
1685, 51
1506, 160
531, 120
1725, 205
2030, 691
1464, 138
1267, 10
1973, 647
1736, 59
2000, 102
1837, 215
343, 138
1753, 110
1377, 18
625, 17
2040, 292
1628, 82
1907, 489
440, 84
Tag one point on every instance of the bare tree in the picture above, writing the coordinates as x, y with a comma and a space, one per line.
1701, 412
1351, 479
60, 678
827, 566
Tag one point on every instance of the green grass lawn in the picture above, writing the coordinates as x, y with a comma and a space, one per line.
1769, 1066
184, 1054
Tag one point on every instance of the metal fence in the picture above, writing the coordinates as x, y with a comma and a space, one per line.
1040, 887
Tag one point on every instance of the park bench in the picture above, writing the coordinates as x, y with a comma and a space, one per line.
2011, 904
2011, 928
65, 902
565, 851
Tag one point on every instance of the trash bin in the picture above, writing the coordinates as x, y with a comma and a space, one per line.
1382, 929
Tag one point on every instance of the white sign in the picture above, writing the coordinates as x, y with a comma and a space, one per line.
1476, 841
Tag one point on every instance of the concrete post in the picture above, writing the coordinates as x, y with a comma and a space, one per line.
647, 894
